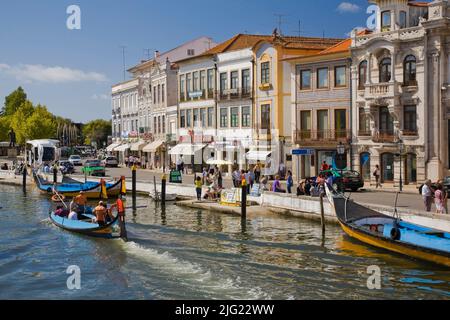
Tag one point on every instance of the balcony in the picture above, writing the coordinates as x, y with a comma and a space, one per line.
412, 33
384, 136
364, 133
322, 137
197, 95
235, 94
381, 90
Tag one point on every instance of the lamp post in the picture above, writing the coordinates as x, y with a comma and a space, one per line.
341, 152
401, 148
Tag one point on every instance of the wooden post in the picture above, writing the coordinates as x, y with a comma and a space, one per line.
55, 175
85, 176
154, 187
322, 213
133, 186
244, 200
24, 178
163, 190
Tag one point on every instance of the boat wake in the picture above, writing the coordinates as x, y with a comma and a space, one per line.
194, 276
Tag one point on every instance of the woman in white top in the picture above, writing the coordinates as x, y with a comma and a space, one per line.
427, 195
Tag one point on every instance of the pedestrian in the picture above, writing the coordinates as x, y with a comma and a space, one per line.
236, 178
204, 175
252, 178
377, 175
276, 187
289, 182
329, 181
257, 171
220, 179
427, 195
324, 166
439, 199
198, 188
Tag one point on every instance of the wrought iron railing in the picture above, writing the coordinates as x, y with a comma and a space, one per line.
322, 137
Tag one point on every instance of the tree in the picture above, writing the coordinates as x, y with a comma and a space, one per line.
97, 131
5, 126
19, 120
41, 124
14, 101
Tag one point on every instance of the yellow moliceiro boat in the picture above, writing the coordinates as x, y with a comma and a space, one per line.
393, 234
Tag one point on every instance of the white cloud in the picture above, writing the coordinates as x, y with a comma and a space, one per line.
100, 97
56, 74
345, 7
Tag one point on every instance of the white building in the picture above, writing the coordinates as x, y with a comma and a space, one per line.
400, 92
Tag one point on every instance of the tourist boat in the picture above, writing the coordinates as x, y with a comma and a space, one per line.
390, 233
157, 196
92, 190
86, 226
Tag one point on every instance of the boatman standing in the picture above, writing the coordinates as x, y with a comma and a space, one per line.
121, 212
81, 201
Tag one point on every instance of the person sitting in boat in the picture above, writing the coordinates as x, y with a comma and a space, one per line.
73, 215
81, 201
100, 213
60, 212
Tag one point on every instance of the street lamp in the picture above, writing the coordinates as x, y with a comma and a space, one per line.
341, 152
401, 148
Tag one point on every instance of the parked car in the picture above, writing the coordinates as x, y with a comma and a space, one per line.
75, 160
94, 168
110, 162
66, 167
351, 180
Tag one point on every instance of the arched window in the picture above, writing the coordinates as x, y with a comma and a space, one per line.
362, 74
385, 70
409, 70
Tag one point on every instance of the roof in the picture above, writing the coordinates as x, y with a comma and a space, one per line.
339, 47
243, 41
337, 51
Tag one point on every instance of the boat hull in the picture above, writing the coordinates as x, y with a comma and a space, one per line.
85, 228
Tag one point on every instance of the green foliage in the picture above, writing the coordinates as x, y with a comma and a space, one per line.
41, 124
14, 101
5, 126
97, 131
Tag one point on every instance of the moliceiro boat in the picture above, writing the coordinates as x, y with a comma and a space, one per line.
92, 190
390, 233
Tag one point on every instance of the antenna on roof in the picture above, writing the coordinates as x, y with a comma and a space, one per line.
124, 64
299, 30
280, 17
148, 53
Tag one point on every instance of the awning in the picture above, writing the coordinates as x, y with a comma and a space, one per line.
122, 148
218, 162
152, 147
111, 147
138, 146
186, 149
255, 155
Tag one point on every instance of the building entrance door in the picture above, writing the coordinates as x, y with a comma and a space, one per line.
387, 166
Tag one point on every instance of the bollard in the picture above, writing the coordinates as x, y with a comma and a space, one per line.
85, 176
24, 179
133, 186
244, 200
322, 214
163, 190
55, 175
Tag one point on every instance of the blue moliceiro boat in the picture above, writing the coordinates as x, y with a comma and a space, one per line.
390, 233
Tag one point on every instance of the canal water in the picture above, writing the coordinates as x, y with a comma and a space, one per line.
191, 254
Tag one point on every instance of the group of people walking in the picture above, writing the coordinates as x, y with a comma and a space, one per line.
437, 192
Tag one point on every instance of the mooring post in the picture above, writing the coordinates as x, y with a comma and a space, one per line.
163, 189
322, 213
55, 174
85, 176
133, 186
24, 179
244, 200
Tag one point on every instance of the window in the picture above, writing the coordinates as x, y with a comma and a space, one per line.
322, 78
305, 79
224, 117
409, 70
188, 118
155, 125
223, 82
265, 117
235, 117
386, 122
195, 81
385, 21
191, 52
265, 72
409, 119
245, 117
340, 76
364, 123
159, 124
163, 92
305, 124
362, 74
154, 95
340, 123
210, 117
402, 19
163, 124
196, 118
182, 119
246, 81
385, 70
202, 80
322, 123
203, 117
211, 85
188, 82
159, 93
234, 80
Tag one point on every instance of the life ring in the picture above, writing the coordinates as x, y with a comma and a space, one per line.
395, 234
55, 198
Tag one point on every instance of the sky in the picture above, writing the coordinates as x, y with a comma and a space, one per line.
72, 71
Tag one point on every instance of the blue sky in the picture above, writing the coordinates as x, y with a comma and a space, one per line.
71, 71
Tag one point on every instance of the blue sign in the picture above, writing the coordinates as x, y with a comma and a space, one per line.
303, 152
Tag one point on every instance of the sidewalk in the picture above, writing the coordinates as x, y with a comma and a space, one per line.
390, 188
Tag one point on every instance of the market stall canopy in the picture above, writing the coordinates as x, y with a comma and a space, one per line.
111, 147
258, 155
219, 162
138, 146
152, 147
186, 149
122, 148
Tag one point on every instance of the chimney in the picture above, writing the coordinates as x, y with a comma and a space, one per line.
156, 54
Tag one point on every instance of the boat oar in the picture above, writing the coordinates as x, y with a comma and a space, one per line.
60, 198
